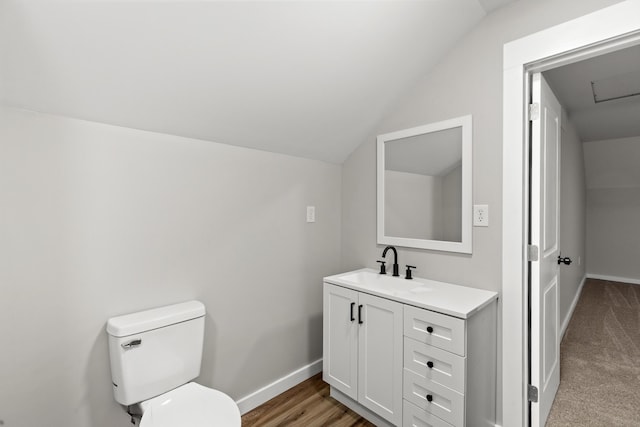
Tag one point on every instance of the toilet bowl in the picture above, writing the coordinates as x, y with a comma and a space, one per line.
190, 405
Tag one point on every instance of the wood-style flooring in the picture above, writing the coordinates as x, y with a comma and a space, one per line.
307, 405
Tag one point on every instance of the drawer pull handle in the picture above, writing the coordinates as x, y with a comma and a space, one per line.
429, 329
430, 364
429, 397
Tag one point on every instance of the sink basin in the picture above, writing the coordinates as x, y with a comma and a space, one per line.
368, 279
447, 298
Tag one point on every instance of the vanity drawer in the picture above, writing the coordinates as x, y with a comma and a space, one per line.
438, 330
434, 364
412, 416
445, 403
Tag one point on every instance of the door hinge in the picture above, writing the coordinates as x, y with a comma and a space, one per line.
532, 253
534, 111
532, 393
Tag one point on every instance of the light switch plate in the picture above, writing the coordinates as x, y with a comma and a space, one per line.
311, 214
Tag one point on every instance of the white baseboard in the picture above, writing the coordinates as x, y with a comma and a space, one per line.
283, 384
277, 387
567, 318
614, 278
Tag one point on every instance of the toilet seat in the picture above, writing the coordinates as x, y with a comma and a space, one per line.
190, 405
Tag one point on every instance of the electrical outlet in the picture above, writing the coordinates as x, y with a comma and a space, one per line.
311, 214
481, 215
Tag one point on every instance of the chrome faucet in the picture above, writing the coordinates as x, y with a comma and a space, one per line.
395, 259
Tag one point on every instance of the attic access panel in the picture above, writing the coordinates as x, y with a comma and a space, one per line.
616, 87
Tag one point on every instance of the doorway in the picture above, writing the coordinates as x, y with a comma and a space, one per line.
597, 189
604, 31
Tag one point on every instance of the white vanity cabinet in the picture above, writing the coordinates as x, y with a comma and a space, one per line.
363, 349
410, 352
449, 368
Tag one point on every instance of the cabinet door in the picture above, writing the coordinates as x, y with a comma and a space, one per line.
340, 339
380, 357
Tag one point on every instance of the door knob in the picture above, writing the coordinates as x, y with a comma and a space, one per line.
564, 260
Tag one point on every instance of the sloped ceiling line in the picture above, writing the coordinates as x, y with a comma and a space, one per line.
308, 79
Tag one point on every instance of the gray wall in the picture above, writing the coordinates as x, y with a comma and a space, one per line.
613, 208
572, 216
467, 81
98, 221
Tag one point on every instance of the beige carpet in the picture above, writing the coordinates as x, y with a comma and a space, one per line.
600, 359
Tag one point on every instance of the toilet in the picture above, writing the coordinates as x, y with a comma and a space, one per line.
155, 355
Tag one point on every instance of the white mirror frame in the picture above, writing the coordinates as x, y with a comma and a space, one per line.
465, 246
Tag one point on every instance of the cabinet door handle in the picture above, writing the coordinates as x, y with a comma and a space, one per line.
352, 305
360, 322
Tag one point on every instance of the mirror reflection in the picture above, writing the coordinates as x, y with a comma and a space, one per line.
423, 197
424, 186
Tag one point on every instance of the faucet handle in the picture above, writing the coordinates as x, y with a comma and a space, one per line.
408, 274
383, 269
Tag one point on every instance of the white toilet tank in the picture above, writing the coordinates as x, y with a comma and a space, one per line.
155, 351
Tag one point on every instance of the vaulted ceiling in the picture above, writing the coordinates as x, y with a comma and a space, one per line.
305, 78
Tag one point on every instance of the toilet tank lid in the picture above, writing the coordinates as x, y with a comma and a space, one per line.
135, 323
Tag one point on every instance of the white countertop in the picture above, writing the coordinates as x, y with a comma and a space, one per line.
447, 298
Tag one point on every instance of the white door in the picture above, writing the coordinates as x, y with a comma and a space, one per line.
340, 339
545, 207
380, 357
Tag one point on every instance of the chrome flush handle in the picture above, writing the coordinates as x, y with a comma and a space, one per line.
132, 344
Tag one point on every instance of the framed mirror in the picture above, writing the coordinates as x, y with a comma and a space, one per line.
424, 186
